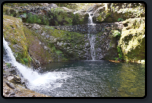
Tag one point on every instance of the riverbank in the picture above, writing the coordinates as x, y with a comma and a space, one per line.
13, 86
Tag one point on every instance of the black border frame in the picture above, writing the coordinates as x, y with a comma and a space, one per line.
79, 97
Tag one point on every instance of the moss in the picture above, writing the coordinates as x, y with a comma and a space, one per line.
99, 18
72, 38
35, 49
132, 40
13, 33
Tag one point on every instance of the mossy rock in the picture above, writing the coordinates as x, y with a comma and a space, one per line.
14, 34
132, 40
9, 11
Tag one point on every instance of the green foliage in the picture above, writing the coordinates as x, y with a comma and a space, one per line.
116, 59
119, 53
25, 60
8, 65
39, 21
75, 20
45, 20
99, 18
35, 19
120, 19
56, 23
59, 18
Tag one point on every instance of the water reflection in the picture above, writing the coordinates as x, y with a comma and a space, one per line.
132, 81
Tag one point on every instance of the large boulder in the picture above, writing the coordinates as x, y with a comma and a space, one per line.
132, 41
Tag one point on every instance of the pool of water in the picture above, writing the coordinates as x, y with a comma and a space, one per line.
96, 79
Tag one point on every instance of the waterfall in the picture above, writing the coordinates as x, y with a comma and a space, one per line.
36, 81
91, 37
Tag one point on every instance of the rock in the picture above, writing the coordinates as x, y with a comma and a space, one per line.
81, 12
7, 91
67, 9
87, 45
43, 33
52, 5
47, 36
23, 16
98, 50
45, 4
14, 79
13, 93
55, 40
33, 96
98, 11
46, 48
36, 26
10, 85
93, 8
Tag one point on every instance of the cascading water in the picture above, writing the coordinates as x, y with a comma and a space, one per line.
36, 81
91, 37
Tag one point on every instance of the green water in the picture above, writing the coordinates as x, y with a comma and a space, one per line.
98, 79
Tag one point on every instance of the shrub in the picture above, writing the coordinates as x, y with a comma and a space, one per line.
39, 21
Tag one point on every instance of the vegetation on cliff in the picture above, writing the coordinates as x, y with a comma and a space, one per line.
46, 44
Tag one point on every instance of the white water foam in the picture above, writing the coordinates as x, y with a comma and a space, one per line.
35, 79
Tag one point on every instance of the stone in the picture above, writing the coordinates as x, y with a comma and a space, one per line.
67, 9
52, 5
13, 93
36, 26
7, 91
43, 34
14, 79
47, 36
87, 45
10, 85
46, 48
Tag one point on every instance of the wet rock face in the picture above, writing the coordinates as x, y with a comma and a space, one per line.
94, 29
78, 48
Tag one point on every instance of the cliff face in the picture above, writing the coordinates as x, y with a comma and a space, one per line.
34, 41
132, 40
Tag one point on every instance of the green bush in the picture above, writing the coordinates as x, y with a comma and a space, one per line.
39, 21
33, 19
